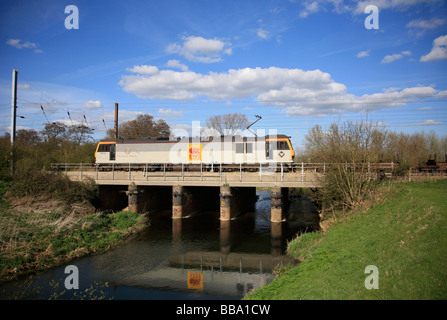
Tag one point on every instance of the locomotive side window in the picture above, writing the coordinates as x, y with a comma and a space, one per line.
269, 150
112, 152
241, 147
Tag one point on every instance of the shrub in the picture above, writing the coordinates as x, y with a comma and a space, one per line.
54, 186
401, 169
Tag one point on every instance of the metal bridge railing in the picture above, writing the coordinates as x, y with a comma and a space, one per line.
281, 172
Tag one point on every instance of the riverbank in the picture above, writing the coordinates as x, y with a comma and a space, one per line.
403, 234
38, 232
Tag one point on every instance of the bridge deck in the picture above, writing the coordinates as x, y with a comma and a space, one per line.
302, 176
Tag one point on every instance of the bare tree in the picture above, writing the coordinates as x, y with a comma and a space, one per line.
54, 131
143, 127
28, 137
79, 134
347, 148
227, 124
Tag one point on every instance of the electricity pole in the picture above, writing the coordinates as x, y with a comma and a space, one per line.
116, 120
13, 116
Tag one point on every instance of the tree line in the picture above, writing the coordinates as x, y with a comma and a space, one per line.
36, 150
348, 141
363, 141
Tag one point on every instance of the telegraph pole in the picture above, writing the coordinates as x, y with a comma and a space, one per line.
13, 116
116, 120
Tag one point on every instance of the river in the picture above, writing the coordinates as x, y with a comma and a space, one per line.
194, 258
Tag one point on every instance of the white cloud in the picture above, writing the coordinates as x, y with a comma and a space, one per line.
298, 91
344, 102
438, 52
199, 49
391, 58
356, 7
429, 123
149, 70
262, 33
309, 8
387, 4
396, 56
363, 54
93, 104
17, 43
241, 83
430, 24
167, 113
20, 45
24, 86
177, 65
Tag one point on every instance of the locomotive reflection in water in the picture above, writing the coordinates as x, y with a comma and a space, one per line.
211, 153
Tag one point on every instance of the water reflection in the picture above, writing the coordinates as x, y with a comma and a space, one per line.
199, 257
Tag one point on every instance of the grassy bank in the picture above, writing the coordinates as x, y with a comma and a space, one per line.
39, 231
404, 236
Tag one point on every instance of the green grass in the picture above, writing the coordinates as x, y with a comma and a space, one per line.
36, 241
405, 236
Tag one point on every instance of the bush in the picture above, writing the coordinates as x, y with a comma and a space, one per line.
54, 186
401, 169
346, 187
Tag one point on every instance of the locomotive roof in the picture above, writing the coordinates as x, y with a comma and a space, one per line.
202, 139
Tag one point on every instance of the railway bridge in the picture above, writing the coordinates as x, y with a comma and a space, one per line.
188, 188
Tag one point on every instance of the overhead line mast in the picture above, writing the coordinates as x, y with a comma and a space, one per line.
13, 116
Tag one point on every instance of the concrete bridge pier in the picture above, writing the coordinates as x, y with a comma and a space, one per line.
132, 194
225, 203
279, 204
234, 201
177, 202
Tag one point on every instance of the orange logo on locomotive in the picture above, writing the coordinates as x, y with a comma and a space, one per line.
195, 153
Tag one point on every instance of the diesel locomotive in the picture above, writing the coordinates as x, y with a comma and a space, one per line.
208, 152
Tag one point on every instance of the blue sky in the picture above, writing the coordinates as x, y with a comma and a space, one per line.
295, 63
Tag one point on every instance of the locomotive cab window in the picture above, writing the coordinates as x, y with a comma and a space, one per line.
105, 147
282, 145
